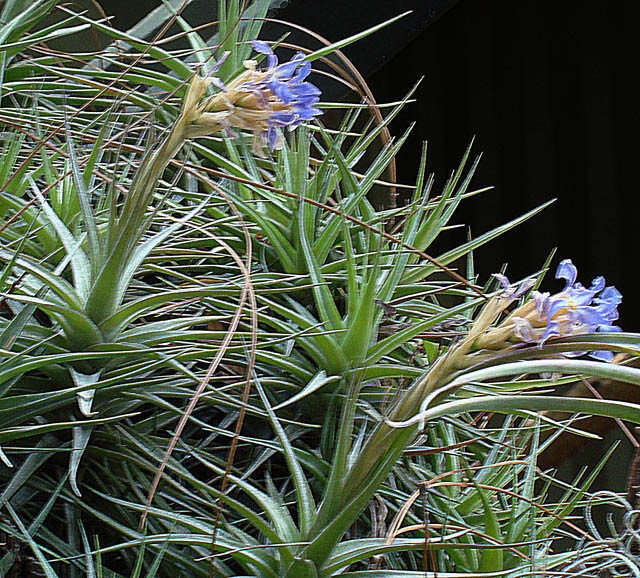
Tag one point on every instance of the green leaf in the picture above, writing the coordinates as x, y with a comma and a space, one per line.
277, 239
356, 190
80, 266
57, 284
440, 215
155, 566
85, 396
156, 17
327, 309
39, 520
351, 39
20, 432
431, 350
304, 498
80, 439
88, 558
137, 569
79, 330
18, 16
318, 381
93, 240
30, 465
126, 314
462, 250
337, 515
491, 559
364, 322
302, 568
5, 459
44, 564
351, 552
174, 64
533, 403
396, 573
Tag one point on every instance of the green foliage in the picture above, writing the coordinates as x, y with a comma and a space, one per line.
247, 330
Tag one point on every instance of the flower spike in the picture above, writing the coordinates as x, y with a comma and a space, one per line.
573, 311
262, 101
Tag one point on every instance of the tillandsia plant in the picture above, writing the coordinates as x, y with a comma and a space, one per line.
216, 359
484, 353
89, 311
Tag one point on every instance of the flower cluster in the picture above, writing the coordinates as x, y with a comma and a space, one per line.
574, 311
263, 101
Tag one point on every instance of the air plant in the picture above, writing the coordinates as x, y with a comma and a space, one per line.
252, 256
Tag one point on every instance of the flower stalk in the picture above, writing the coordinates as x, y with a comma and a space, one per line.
573, 311
260, 101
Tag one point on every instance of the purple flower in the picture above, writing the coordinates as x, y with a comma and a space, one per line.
573, 311
577, 309
295, 97
262, 101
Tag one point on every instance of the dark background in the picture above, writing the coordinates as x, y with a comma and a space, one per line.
545, 87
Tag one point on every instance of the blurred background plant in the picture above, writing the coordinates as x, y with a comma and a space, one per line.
220, 357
